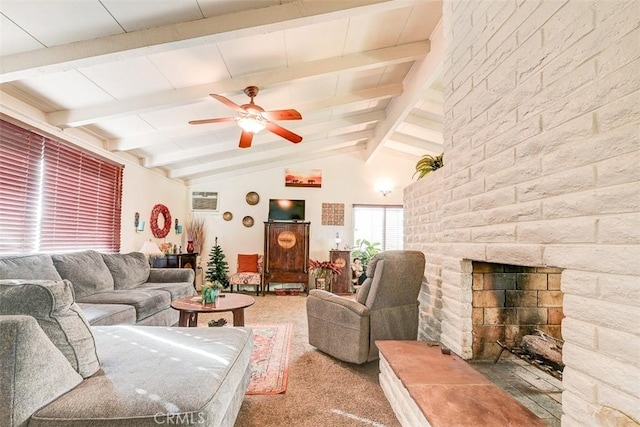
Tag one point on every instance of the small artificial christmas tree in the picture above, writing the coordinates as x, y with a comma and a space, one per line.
217, 267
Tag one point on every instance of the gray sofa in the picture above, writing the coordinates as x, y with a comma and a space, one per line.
58, 370
110, 289
385, 308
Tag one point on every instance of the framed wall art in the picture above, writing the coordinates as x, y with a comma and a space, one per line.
333, 214
303, 178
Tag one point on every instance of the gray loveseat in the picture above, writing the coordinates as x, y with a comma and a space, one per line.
110, 289
58, 370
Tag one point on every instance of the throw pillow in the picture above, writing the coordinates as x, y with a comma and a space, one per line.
28, 267
128, 270
51, 304
248, 263
86, 271
36, 372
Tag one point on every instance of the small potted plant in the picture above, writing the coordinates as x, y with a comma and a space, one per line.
428, 164
210, 291
323, 272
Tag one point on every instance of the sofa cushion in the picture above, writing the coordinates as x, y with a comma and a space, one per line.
176, 290
86, 270
146, 302
128, 270
171, 275
28, 267
36, 373
52, 305
108, 314
204, 375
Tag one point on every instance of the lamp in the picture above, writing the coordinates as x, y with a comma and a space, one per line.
252, 123
150, 250
384, 187
338, 240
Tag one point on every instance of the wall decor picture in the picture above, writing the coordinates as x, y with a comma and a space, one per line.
303, 178
333, 214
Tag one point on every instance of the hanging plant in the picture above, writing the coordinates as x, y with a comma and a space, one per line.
428, 164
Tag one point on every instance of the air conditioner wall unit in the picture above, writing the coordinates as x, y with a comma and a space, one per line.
204, 201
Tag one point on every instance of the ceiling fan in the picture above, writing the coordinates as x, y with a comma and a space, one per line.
253, 118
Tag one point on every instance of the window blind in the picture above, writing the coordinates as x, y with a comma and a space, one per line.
379, 223
20, 172
73, 200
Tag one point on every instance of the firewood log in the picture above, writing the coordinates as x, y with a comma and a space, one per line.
547, 349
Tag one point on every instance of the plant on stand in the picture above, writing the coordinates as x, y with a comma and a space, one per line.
364, 251
324, 271
217, 267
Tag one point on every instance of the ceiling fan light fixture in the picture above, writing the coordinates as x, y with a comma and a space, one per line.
252, 124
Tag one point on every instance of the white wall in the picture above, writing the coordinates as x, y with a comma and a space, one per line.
345, 179
143, 189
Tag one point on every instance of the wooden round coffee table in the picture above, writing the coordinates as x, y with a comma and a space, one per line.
189, 308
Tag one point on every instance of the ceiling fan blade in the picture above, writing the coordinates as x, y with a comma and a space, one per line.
286, 134
219, 120
245, 139
229, 103
282, 115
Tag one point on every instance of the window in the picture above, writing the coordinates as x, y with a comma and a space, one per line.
54, 197
377, 223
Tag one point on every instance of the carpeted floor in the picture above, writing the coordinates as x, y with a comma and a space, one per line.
321, 391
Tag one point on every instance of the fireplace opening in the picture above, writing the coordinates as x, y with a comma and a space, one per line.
512, 302
515, 308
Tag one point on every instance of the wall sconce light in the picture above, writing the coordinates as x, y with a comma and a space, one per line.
338, 240
384, 187
178, 227
139, 225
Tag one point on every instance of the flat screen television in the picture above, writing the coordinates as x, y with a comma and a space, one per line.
286, 210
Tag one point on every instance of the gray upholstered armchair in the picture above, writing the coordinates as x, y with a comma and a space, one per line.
385, 308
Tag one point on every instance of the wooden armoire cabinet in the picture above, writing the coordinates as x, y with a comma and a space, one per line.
286, 253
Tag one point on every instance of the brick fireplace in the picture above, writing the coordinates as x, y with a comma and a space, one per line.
509, 302
541, 155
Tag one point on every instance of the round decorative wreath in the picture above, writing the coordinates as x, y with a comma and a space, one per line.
160, 209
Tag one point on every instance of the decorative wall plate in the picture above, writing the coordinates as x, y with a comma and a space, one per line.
252, 198
227, 216
247, 221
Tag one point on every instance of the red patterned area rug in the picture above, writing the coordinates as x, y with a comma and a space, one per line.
270, 358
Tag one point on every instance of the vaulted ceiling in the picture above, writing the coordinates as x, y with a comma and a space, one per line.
128, 75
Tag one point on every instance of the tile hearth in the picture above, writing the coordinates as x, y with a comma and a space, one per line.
540, 392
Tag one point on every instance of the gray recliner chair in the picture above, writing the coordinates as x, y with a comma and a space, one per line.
385, 308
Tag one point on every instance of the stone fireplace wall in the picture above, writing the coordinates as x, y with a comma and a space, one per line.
541, 169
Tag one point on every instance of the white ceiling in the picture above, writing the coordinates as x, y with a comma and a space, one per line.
130, 74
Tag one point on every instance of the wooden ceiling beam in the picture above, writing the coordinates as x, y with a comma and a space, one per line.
363, 96
188, 95
183, 35
422, 75
221, 149
267, 153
